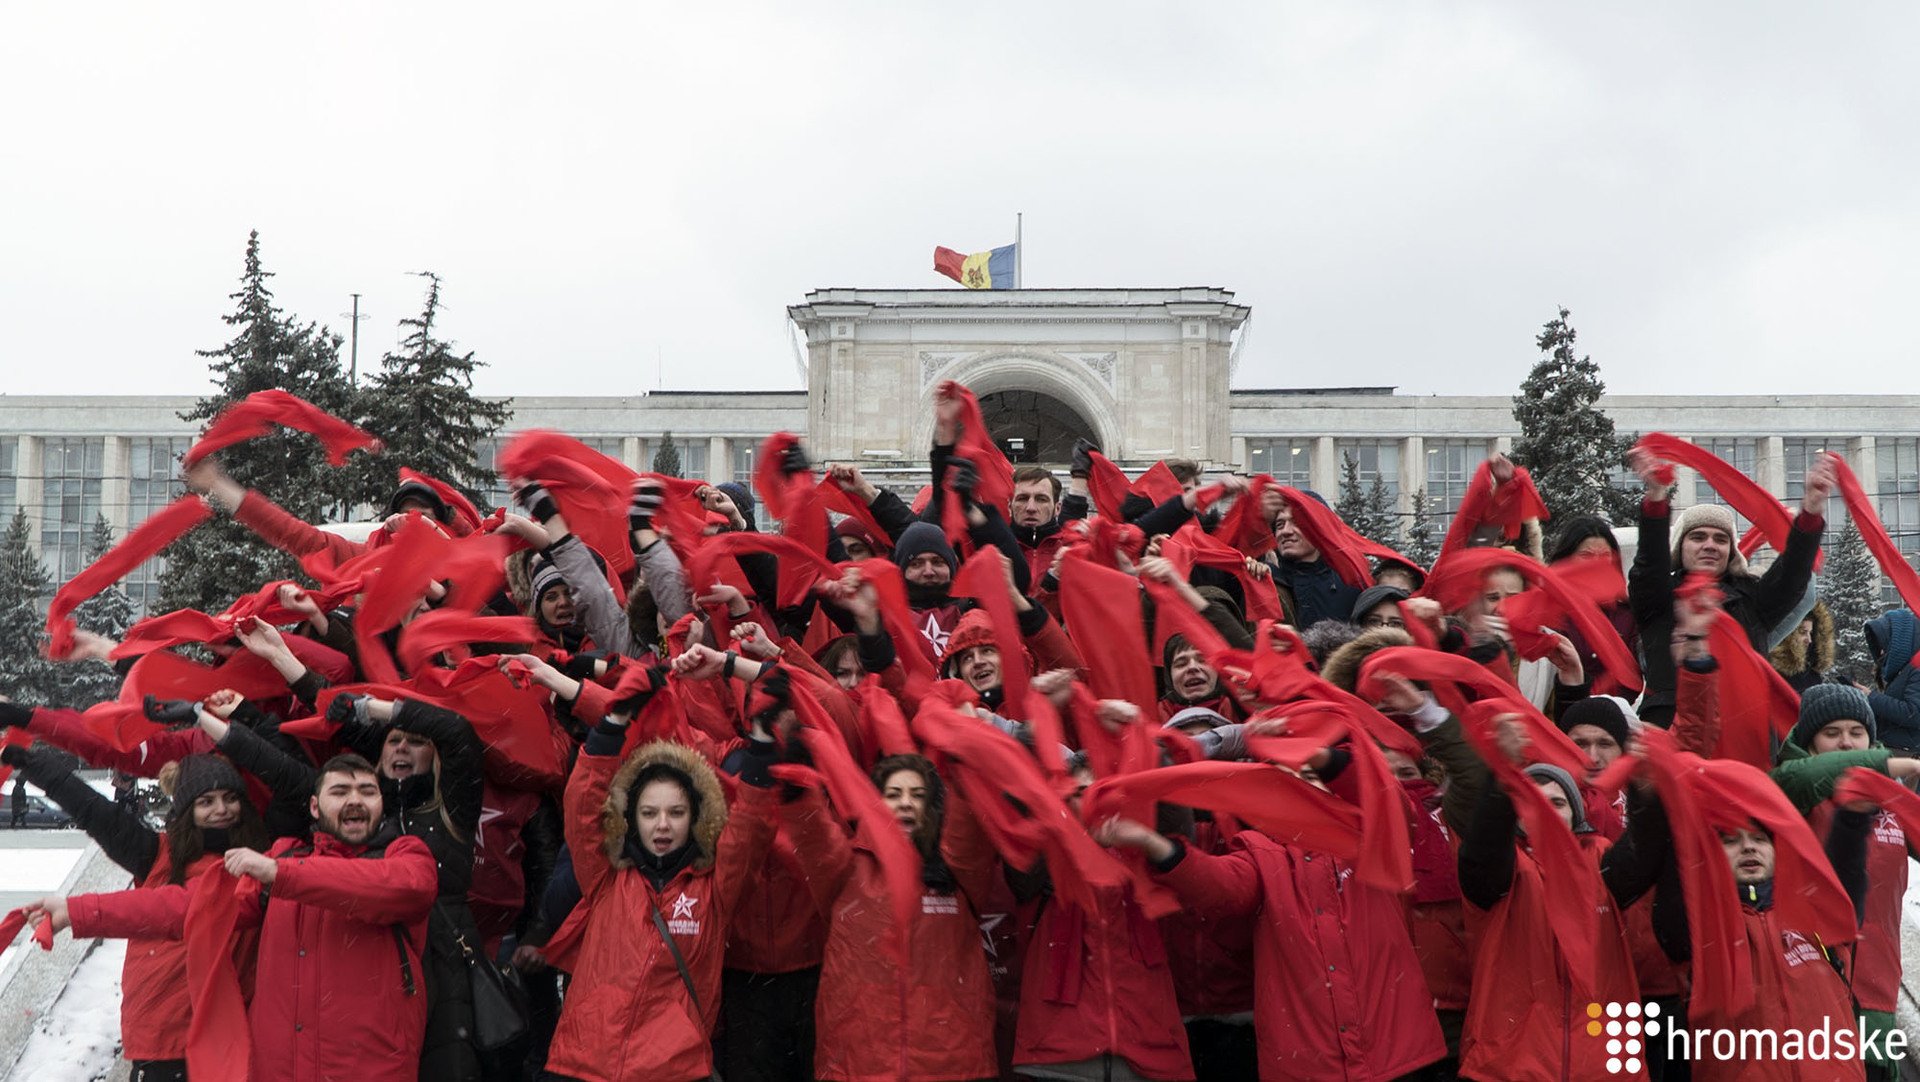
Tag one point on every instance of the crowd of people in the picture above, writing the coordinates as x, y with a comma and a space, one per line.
1160, 778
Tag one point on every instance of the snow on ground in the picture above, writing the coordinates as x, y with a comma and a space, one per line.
39, 870
78, 1039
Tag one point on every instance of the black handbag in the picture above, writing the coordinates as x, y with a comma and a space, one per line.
499, 1000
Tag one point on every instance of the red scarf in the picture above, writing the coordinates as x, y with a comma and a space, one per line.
449, 632
985, 578
141, 544
791, 497
1769, 516
1107, 486
1757, 704
1386, 854
123, 722
218, 1045
1245, 526
1193, 547
255, 416
1344, 550
465, 515
592, 490
1508, 506
1458, 578
1263, 797
473, 567
1867, 520
1105, 606
15, 920
183, 626
835, 498
975, 444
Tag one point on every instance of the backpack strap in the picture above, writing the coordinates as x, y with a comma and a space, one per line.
679, 961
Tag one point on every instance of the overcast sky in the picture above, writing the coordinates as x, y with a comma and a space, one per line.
627, 195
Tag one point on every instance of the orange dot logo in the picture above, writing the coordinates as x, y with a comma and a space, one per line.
1593, 1010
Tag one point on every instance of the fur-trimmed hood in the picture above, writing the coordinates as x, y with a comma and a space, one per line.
1342, 667
707, 825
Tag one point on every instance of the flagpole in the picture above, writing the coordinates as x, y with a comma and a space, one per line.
1019, 250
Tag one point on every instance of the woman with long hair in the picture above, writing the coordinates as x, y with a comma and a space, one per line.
209, 814
934, 1020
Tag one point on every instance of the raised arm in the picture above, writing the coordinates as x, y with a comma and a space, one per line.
122, 836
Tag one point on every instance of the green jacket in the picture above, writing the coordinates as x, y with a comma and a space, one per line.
1808, 779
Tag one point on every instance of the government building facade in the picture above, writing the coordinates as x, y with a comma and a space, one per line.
1145, 373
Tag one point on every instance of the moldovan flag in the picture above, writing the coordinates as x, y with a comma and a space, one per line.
981, 270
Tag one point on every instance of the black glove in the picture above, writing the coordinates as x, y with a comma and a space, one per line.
1083, 449
633, 704
534, 499
962, 478
14, 714
648, 494
580, 666
171, 711
795, 460
349, 711
14, 756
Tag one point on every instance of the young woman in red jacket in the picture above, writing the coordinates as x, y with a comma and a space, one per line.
209, 813
934, 1021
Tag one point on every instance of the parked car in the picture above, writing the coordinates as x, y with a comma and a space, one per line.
41, 814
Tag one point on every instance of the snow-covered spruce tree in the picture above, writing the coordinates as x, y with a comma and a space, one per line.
666, 460
25, 674
1423, 539
212, 565
1565, 441
1851, 588
108, 613
423, 408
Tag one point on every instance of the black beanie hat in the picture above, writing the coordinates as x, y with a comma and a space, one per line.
923, 537
1601, 712
742, 497
415, 490
199, 775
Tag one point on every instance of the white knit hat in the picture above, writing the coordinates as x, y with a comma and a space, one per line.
1717, 517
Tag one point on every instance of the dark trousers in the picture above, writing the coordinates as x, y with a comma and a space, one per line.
766, 1026
158, 1070
1222, 1051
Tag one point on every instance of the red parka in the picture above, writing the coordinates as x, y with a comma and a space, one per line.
874, 1023
628, 1017
155, 1001
338, 993
1338, 993
1794, 987
1876, 957
1099, 983
1525, 1022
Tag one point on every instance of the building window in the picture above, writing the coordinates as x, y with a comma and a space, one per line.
744, 451
1897, 465
1290, 461
485, 454
152, 483
1375, 458
72, 468
9, 477
1450, 468
1741, 453
693, 456
1798, 454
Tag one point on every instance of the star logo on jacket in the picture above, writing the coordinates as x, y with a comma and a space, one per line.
936, 635
681, 921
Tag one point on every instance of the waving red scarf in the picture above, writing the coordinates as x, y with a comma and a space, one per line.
591, 489
141, 544
218, 1046
1757, 705
1507, 506
183, 626
1344, 550
1016, 805
465, 515
1457, 579
1193, 547
255, 416
1263, 797
985, 577
1867, 520
874, 827
1386, 851
1104, 607
1768, 515
15, 920
791, 497
834, 498
1107, 486
1447, 674
452, 632
473, 568
975, 444
911, 647
799, 567
123, 722
1245, 526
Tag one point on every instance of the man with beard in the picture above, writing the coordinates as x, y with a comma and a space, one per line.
338, 992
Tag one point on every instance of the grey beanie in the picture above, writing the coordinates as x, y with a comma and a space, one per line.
1823, 704
1197, 715
1549, 772
545, 577
1372, 597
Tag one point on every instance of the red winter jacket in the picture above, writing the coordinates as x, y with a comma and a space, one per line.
1876, 957
628, 1017
155, 1003
1338, 993
873, 1023
776, 928
1211, 958
1525, 1022
1099, 983
1794, 987
334, 1001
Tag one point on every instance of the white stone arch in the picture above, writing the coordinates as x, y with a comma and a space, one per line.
1073, 382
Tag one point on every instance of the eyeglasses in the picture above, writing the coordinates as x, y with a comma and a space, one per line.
1383, 621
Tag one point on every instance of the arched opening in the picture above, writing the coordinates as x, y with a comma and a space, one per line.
1034, 428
